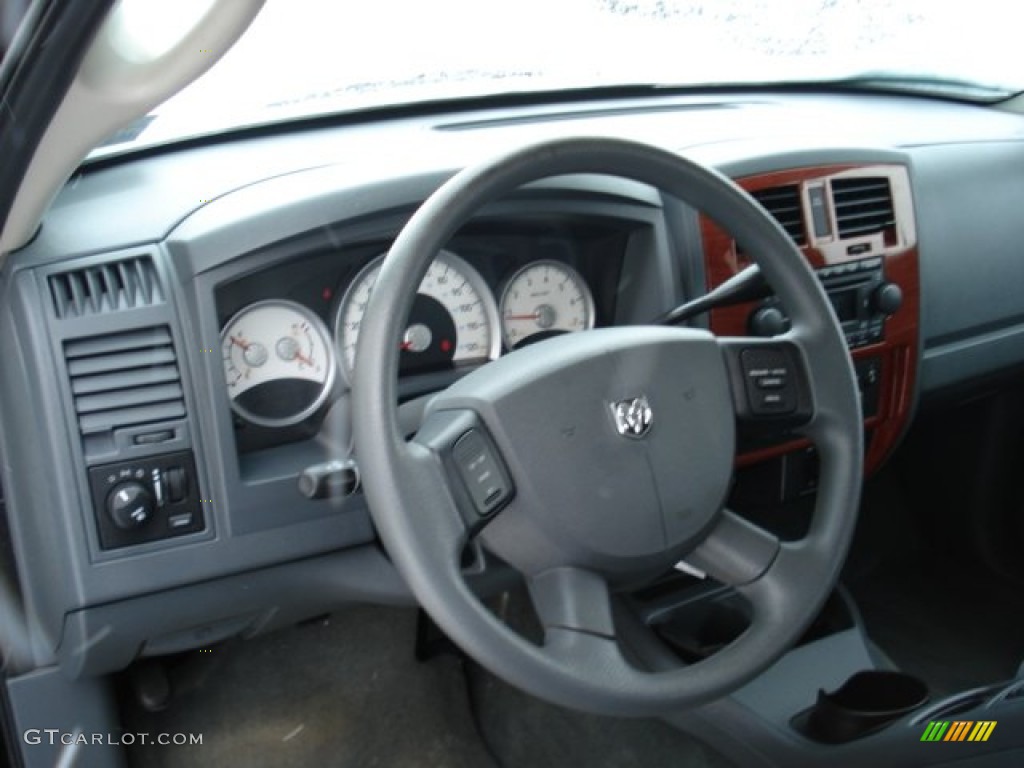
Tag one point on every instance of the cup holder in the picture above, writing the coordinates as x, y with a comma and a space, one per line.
866, 702
705, 627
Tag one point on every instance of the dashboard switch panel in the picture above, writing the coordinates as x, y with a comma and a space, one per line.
146, 500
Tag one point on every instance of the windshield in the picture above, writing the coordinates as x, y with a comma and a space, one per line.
308, 57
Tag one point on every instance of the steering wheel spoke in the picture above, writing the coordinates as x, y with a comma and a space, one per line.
440, 529
735, 552
573, 599
574, 608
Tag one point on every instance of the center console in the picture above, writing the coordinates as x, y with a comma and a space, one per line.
855, 226
833, 697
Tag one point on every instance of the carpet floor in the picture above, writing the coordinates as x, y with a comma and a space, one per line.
349, 692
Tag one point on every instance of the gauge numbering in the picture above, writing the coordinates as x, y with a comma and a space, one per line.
453, 320
544, 297
279, 362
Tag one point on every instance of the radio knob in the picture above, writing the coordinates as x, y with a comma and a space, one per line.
887, 298
768, 321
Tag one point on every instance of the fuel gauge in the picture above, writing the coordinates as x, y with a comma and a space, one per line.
278, 362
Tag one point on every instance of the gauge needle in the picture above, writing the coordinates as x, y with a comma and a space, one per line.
239, 342
303, 359
405, 346
534, 316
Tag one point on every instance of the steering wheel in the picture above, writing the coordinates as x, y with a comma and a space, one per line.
592, 458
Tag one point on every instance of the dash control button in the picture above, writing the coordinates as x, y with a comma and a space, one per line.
149, 438
176, 480
180, 521
479, 468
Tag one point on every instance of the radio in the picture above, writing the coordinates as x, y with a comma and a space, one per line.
860, 294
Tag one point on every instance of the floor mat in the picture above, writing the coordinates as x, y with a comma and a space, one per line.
345, 692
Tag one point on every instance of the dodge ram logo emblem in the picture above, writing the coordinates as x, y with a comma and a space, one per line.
632, 417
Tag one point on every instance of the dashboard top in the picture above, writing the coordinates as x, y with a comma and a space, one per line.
740, 133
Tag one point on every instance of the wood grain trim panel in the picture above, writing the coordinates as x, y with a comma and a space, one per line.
898, 352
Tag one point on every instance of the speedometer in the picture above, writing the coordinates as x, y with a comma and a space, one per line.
453, 320
278, 362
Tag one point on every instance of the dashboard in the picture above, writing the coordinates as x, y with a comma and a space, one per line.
181, 332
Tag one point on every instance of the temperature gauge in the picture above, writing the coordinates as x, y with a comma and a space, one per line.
278, 363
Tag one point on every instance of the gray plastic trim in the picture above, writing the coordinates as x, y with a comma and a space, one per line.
106, 638
751, 726
968, 199
47, 699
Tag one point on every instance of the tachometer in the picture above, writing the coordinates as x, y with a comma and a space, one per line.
542, 299
278, 362
453, 318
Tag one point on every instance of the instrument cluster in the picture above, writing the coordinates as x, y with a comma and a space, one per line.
282, 360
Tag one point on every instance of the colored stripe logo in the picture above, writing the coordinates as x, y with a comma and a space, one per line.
959, 730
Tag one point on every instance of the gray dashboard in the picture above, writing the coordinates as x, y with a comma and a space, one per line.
256, 553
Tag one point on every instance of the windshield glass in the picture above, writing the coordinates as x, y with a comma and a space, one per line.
309, 57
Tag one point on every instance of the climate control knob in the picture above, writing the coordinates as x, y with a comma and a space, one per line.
887, 298
768, 321
129, 505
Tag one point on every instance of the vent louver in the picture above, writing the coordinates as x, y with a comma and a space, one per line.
124, 379
863, 206
104, 288
783, 203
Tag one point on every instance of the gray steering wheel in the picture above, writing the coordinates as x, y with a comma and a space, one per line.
590, 459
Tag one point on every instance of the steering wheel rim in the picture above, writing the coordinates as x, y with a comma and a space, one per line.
416, 507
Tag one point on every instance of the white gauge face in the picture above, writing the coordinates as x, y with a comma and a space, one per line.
453, 319
278, 362
542, 299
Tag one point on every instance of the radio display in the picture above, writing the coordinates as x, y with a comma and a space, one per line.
844, 303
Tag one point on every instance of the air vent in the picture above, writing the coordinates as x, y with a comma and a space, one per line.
104, 288
783, 203
863, 206
124, 379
